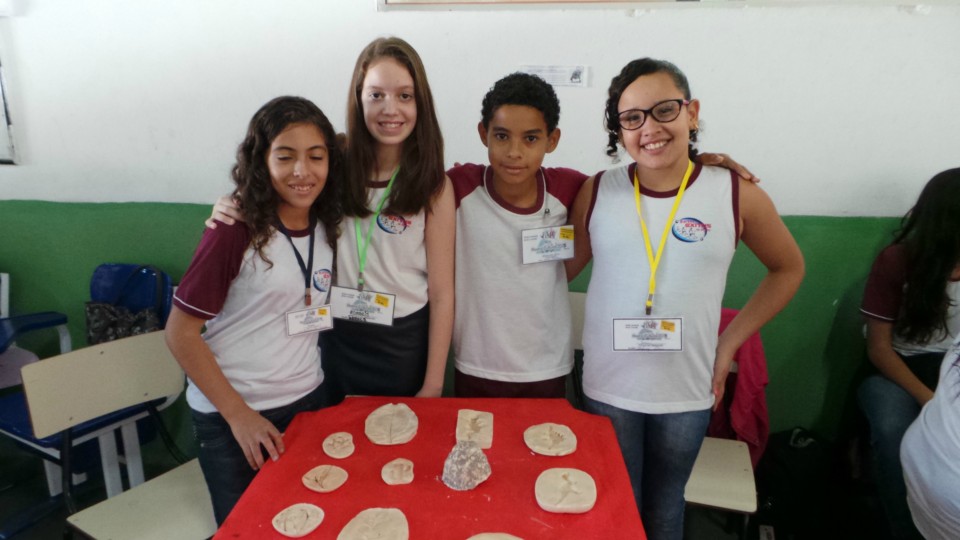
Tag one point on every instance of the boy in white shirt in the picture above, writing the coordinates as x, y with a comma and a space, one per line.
511, 334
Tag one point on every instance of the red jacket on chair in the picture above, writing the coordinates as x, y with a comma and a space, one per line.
743, 414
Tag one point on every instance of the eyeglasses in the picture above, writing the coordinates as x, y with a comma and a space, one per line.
665, 111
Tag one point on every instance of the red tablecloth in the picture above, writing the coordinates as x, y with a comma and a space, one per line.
504, 503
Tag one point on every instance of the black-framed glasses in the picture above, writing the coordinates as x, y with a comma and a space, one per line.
664, 111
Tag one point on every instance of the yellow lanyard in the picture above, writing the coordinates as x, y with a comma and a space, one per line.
655, 260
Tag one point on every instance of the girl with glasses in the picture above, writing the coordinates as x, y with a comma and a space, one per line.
662, 231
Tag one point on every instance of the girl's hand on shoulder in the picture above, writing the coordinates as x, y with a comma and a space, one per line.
725, 161
226, 210
252, 431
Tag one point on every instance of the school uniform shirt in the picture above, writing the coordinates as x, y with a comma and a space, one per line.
930, 453
883, 301
396, 256
512, 320
245, 300
690, 284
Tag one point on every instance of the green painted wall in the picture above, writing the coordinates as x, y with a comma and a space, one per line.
51, 249
814, 348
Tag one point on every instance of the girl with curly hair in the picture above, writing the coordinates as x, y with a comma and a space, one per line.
662, 232
260, 289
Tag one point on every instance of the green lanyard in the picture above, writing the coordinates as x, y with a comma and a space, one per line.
362, 247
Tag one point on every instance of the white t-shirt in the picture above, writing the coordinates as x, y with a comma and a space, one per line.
930, 453
512, 320
690, 284
396, 256
245, 302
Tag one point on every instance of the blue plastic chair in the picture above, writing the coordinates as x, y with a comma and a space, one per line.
12, 404
11, 327
133, 286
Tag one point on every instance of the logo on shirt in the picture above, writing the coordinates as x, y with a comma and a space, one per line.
393, 224
322, 279
363, 307
690, 230
549, 243
650, 331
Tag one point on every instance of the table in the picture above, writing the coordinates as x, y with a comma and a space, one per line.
504, 503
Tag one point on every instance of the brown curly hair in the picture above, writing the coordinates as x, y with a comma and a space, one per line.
631, 72
255, 193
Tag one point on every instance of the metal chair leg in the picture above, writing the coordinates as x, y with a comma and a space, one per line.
66, 468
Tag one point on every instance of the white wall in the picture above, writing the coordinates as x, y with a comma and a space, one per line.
842, 110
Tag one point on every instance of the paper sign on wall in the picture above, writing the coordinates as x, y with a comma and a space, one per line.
559, 75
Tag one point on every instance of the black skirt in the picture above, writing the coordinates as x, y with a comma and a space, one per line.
376, 360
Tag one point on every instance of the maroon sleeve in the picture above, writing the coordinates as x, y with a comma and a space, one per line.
564, 184
465, 179
883, 294
216, 262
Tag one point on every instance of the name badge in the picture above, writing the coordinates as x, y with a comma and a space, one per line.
648, 334
312, 319
547, 244
362, 306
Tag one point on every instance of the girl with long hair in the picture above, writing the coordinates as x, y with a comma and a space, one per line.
911, 306
394, 294
258, 288
397, 242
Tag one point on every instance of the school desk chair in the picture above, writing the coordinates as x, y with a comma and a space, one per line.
95, 393
12, 358
722, 476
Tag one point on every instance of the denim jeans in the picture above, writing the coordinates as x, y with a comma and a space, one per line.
890, 410
659, 450
224, 466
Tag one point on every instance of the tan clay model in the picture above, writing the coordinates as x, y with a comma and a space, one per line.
379, 523
339, 445
476, 426
393, 423
550, 439
397, 472
297, 520
566, 491
325, 478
